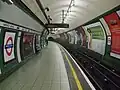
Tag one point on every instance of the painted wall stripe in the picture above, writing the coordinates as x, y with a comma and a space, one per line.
86, 78
0, 71
18, 48
34, 44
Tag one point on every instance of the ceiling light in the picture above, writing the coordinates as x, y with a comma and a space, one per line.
8, 1
49, 18
72, 3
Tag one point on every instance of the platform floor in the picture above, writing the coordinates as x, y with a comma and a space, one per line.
46, 71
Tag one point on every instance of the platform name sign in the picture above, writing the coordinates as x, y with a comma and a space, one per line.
9, 46
57, 25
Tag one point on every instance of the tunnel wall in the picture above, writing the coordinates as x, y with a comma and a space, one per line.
17, 45
98, 39
20, 38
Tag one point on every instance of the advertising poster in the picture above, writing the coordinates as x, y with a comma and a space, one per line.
69, 37
72, 38
96, 37
75, 36
9, 48
62, 37
37, 44
113, 21
81, 36
27, 44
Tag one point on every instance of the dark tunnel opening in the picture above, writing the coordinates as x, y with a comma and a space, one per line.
50, 39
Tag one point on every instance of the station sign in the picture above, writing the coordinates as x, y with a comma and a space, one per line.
57, 25
9, 46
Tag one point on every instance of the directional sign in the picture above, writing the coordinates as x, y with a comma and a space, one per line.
57, 25
9, 46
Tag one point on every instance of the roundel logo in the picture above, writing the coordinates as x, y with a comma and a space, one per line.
9, 46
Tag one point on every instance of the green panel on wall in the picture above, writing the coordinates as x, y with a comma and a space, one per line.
97, 33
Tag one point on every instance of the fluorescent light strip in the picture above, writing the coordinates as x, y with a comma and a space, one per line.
10, 1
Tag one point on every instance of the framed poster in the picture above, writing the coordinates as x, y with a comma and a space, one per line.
9, 47
113, 22
81, 36
27, 47
71, 40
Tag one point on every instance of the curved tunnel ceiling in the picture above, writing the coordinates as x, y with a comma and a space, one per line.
83, 11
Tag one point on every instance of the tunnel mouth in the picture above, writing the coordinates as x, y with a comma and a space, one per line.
50, 39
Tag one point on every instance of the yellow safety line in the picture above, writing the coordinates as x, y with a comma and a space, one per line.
74, 74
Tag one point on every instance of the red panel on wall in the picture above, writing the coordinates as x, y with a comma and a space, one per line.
27, 44
116, 42
113, 22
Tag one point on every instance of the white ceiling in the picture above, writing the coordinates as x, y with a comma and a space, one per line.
83, 11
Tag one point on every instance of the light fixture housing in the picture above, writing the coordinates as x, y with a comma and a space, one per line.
47, 9
49, 18
72, 3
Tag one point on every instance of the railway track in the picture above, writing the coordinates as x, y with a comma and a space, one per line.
102, 77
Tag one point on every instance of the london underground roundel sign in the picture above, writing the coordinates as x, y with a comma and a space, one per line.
9, 46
